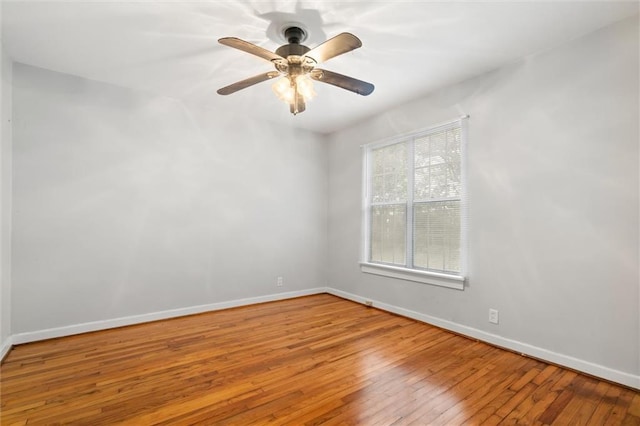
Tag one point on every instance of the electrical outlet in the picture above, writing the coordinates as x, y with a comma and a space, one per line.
280, 282
493, 316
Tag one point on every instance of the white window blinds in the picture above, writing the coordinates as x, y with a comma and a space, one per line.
414, 201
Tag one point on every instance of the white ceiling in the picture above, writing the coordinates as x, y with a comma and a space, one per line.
409, 47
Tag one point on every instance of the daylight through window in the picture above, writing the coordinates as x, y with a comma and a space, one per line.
414, 202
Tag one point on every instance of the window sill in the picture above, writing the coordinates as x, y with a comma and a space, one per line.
425, 277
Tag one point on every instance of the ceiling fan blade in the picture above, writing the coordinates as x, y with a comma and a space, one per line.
243, 84
342, 43
245, 46
349, 83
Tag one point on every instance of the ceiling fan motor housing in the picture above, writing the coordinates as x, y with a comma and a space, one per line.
292, 49
294, 35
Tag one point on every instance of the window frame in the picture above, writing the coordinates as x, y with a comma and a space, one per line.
443, 279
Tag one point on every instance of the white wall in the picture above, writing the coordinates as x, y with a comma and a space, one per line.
553, 195
5, 200
127, 203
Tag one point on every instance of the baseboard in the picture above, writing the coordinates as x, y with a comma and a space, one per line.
514, 345
5, 348
52, 333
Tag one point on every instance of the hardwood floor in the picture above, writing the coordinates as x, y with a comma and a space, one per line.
312, 360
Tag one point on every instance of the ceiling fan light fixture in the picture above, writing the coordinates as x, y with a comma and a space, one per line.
305, 87
283, 90
288, 88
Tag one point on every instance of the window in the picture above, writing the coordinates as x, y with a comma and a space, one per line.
414, 206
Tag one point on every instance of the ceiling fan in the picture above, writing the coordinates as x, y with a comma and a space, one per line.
296, 63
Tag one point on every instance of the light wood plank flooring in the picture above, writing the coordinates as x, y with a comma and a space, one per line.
312, 360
